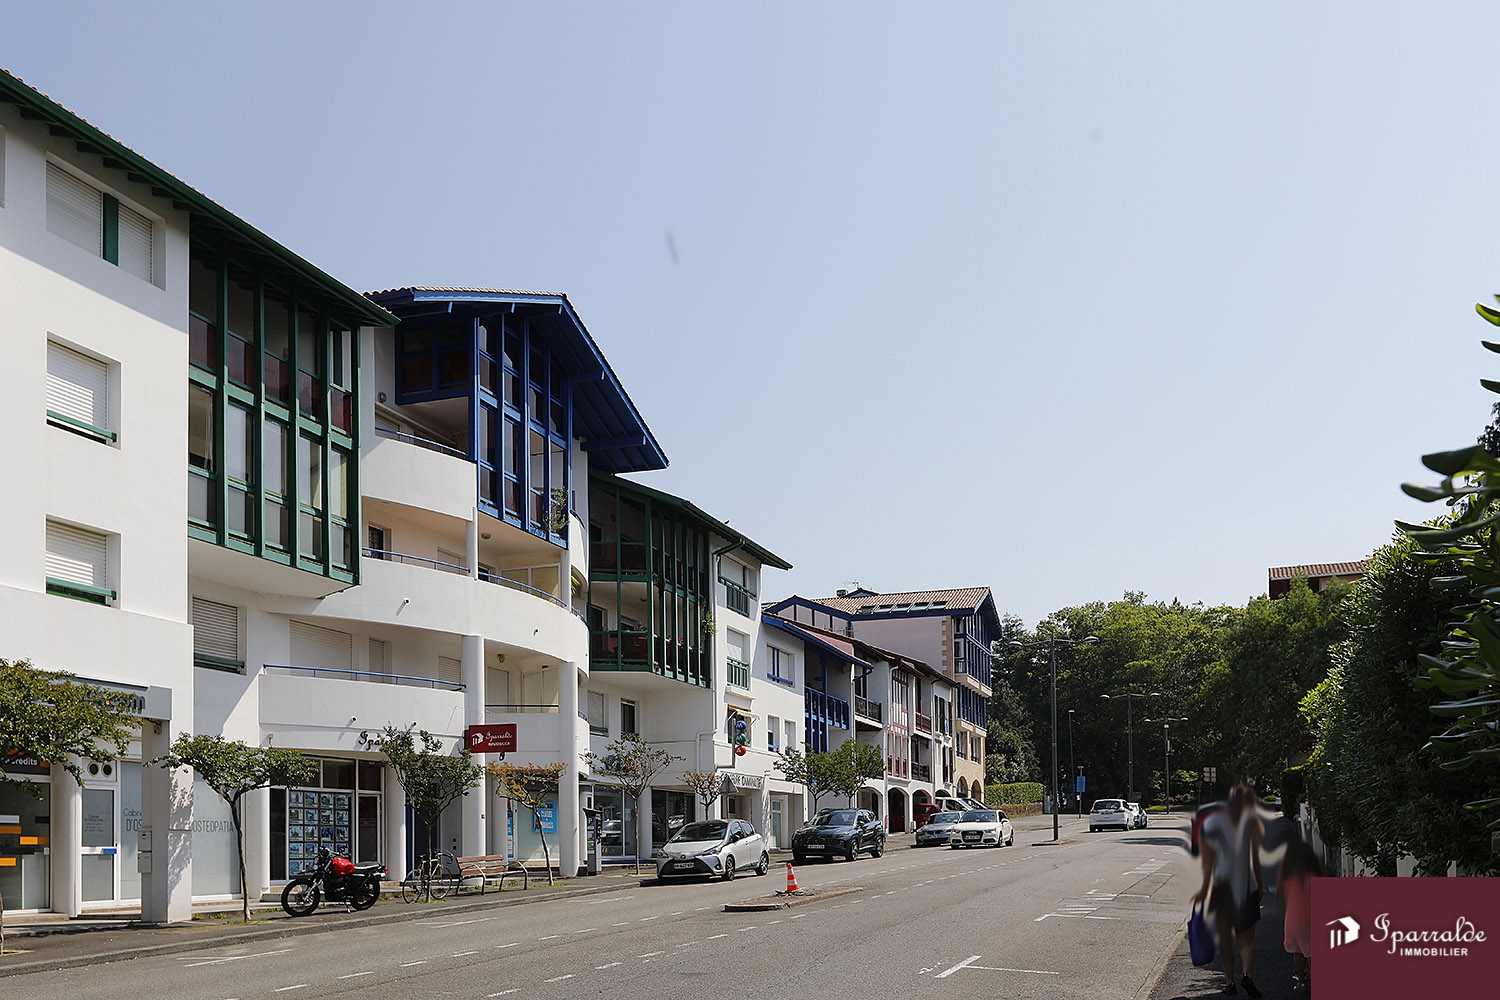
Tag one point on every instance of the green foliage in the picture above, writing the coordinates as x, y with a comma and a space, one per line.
842, 772
631, 763
52, 716
431, 779
532, 785
1015, 793
231, 769
707, 785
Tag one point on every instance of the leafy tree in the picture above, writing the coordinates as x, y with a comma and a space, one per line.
534, 786
843, 771
231, 769
631, 763
707, 785
52, 716
431, 780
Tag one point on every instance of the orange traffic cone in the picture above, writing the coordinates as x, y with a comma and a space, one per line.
791, 880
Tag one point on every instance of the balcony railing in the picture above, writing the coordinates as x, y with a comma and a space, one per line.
897, 768
824, 709
406, 559
921, 772
368, 676
622, 558
867, 708
737, 598
527, 588
422, 442
738, 673
924, 723
514, 708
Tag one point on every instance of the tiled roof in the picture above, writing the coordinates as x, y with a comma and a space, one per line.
1318, 570
854, 648
966, 599
465, 291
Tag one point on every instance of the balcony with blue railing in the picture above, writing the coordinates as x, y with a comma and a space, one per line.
738, 674
826, 710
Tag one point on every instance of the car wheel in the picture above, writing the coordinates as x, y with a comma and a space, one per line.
1093, 829
729, 867
879, 849
852, 854
765, 864
1011, 840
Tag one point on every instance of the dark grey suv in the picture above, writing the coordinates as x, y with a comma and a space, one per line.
839, 833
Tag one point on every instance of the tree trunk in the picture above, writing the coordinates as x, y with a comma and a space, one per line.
546, 857
239, 844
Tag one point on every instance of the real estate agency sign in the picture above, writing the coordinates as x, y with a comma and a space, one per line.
491, 739
1414, 937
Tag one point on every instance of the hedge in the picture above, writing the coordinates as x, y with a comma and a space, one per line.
1014, 793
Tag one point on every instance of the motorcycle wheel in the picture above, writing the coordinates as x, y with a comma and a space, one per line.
300, 897
365, 894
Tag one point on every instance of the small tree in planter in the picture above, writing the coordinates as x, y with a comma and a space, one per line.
231, 769
532, 785
707, 785
431, 780
631, 763
53, 717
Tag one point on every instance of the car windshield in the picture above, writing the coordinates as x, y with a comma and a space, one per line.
981, 816
834, 817
712, 830
946, 817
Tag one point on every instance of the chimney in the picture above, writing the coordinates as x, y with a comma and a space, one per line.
841, 592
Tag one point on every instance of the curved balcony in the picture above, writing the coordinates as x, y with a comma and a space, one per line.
313, 706
421, 592
418, 473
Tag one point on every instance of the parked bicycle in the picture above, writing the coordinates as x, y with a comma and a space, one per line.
433, 878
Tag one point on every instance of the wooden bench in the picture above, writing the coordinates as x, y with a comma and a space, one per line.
483, 870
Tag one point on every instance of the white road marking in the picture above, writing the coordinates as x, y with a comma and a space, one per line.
653, 916
548, 937
299, 986
1036, 972
461, 954
501, 993
651, 954
586, 930
511, 945
715, 937
558, 979
617, 899
229, 958
408, 965
750, 928
611, 965
948, 972
356, 975
622, 923
453, 923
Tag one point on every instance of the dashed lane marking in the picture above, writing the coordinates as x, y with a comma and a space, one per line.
611, 965
558, 979
356, 975
230, 958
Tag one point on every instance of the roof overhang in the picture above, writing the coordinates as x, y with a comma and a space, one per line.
723, 530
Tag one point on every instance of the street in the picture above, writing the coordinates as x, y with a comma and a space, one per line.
1091, 917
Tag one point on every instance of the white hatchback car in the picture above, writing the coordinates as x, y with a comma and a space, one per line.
713, 847
982, 828
1110, 813
934, 832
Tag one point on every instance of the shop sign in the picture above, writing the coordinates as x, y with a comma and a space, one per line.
740, 779
499, 738
25, 765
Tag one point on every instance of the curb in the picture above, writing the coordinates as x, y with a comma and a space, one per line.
782, 902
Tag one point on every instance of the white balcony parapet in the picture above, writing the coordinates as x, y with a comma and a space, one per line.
367, 676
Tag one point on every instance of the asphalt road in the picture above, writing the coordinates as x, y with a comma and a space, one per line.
1095, 916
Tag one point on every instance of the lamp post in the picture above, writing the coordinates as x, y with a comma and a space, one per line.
1130, 697
1052, 642
1072, 771
1166, 754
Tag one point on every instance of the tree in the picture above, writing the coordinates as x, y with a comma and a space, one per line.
707, 785
631, 763
534, 786
843, 771
52, 716
231, 769
431, 780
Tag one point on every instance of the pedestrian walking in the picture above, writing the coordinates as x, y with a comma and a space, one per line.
1299, 866
1233, 883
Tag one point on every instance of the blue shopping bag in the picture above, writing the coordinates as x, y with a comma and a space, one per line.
1200, 938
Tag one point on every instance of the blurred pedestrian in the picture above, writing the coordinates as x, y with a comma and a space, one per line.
1233, 883
1299, 866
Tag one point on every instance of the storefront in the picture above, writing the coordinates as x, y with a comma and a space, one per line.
26, 837
342, 810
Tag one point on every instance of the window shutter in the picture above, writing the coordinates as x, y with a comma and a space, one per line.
216, 629
76, 556
135, 243
450, 670
75, 211
315, 646
77, 386
598, 713
377, 656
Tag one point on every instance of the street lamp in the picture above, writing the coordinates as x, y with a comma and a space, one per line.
1072, 770
1166, 754
1052, 643
1130, 697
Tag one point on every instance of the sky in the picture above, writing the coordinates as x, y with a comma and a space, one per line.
1066, 300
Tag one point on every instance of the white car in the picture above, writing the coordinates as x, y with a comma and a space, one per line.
1140, 815
1110, 813
982, 828
935, 832
713, 847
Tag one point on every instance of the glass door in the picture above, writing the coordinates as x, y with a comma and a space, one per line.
101, 846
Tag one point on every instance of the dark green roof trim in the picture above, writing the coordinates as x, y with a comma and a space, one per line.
766, 556
214, 218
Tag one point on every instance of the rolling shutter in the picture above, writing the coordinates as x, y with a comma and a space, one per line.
216, 629
135, 243
315, 646
450, 670
76, 556
77, 386
75, 211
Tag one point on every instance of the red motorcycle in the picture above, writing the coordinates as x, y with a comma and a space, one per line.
335, 879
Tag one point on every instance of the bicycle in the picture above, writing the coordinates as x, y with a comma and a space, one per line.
433, 878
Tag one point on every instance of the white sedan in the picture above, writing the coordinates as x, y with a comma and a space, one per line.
982, 828
938, 829
714, 847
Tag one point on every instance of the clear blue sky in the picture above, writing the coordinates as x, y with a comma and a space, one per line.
1062, 299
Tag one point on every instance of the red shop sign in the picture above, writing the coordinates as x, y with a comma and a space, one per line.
491, 739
